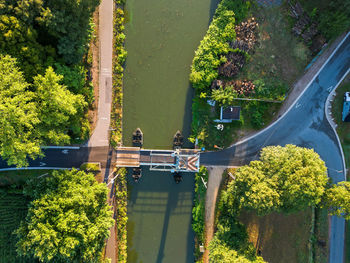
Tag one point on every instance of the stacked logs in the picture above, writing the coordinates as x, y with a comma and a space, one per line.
304, 28
246, 33
235, 61
244, 87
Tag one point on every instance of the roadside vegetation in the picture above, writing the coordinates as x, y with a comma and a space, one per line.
45, 88
284, 180
248, 52
198, 211
343, 130
122, 217
119, 57
331, 17
68, 218
13, 209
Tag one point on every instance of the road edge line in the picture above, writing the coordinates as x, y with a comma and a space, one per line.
61, 147
330, 121
34, 168
300, 95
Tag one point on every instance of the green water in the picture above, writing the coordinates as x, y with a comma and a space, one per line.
161, 37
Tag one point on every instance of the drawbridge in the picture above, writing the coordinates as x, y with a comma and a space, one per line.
179, 160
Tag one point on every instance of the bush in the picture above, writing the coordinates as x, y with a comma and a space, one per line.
198, 211
215, 44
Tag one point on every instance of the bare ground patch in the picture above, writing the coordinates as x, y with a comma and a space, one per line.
279, 238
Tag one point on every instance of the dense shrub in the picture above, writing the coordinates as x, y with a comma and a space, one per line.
215, 44
198, 211
118, 63
122, 218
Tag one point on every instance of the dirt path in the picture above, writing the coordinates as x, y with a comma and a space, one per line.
100, 136
215, 177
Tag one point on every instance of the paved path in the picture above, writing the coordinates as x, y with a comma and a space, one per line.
215, 178
100, 136
304, 124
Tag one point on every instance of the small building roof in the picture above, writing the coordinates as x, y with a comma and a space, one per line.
230, 113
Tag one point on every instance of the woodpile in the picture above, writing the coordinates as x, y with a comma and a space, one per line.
301, 24
246, 33
216, 84
235, 61
241, 45
242, 87
304, 28
296, 10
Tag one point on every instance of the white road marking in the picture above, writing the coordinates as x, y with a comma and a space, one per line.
330, 89
65, 151
297, 105
42, 164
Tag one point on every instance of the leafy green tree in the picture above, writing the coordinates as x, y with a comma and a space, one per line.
285, 179
255, 190
19, 40
224, 96
57, 107
221, 253
300, 175
68, 22
68, 220
18, 116
337, 199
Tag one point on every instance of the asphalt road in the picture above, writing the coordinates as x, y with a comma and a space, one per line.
305, 124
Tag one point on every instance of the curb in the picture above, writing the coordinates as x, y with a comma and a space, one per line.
330, 120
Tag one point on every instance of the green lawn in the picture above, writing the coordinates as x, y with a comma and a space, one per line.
343, 131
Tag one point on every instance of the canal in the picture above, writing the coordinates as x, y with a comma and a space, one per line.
161, 37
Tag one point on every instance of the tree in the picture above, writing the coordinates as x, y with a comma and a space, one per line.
68, 219
18, 116
221, 253
58, 107
224, 95
255, 190
68, 22
285, 179
300, 174
337, 199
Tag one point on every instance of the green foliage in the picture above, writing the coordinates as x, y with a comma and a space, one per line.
300, 173
332, 17
285, 179
221, 253
31, 115
337, 199
69, 22
215, 44
90, 167
68, 220
13, 209
57, 107
198, 216
224, 96
122, 217
18, 116
118, 62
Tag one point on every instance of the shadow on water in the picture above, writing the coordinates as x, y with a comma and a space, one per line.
213, 6
187, 118
160, 214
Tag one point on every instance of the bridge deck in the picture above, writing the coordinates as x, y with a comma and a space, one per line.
185, 160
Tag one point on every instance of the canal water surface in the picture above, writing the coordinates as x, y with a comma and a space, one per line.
162, 36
